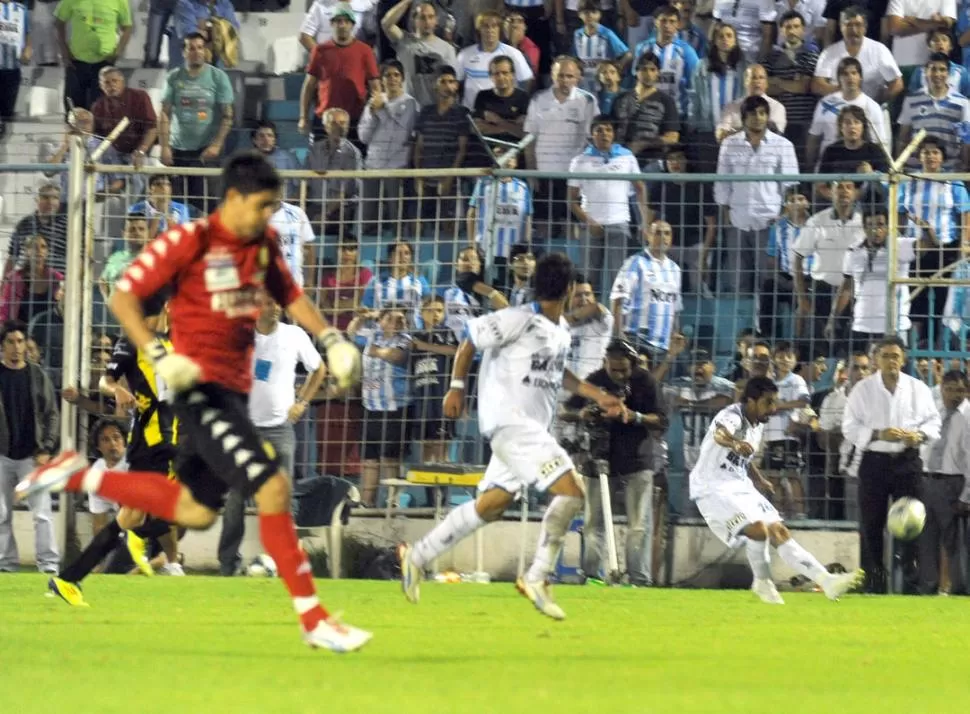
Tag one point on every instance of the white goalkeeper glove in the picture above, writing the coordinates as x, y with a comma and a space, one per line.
178, 372
343, 358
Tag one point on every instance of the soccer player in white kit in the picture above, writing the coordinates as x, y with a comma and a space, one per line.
524, 352
722, 484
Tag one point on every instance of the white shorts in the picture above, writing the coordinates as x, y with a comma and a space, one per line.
525, 456
98, 506
731, 507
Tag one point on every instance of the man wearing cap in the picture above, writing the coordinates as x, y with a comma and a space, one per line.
340, 73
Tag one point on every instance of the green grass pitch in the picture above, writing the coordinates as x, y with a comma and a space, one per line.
227, 646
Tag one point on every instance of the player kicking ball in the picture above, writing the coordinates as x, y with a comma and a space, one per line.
524, 352
217, 268
722, 484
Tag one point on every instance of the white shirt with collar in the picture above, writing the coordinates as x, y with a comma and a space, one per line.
605, 201
754, 204
826, 238
956, 454
274, 372
791, 388
561, 129
871, 407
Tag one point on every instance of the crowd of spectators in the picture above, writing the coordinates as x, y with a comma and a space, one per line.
604, 91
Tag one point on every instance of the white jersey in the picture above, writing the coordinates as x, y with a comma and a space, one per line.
790, 389
523, 359
589, 341
717, 465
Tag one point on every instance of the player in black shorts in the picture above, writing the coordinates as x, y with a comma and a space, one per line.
218, 267
151, 447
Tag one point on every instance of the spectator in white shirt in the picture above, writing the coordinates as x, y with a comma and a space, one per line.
866, 276
603, 205
560, 118
945, 489
755, 85
888, 416
751, 206
275, 405
910, 21
824, 130
296, 241
882, 79
473, 61
784, 460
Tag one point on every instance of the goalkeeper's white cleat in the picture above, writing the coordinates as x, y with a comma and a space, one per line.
540, 593
766, 590
835, 586
52, 476
337, 637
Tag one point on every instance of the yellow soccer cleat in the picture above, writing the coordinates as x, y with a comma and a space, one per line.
138, 551
67, 591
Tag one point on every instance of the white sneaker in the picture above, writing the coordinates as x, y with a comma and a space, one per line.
835, 586
171, 569
411, 574
52, 476
766, 590
541, 596
337, 637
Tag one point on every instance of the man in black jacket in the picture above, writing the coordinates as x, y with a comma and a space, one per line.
624, 446
29, 424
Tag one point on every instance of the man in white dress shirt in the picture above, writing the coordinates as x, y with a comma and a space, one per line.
751, 207
888, 416
945, 489
274, 408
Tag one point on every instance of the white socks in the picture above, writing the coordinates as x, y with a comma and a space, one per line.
561, 512
457, 525
758, 558
801, 561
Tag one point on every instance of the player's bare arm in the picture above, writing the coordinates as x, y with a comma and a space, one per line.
759, 479
455, 398
723, 438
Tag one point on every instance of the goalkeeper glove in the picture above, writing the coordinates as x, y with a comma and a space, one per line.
178, 372
343, 358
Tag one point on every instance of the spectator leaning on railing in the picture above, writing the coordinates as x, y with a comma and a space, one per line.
122, 102
28, 438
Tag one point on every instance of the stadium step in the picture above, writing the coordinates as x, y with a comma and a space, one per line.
277, 111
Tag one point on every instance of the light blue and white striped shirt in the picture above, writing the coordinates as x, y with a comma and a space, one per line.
384, 385
939, 203
678, 60
522, 295
781, 246
956, 313
460, 307
958, 81
593, 49
293, 225
177, 213
510, 217
14, 28
650, 290
940, 118
725, 89
405, 293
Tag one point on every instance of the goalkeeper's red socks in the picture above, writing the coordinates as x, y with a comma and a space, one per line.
279, 538
151, 492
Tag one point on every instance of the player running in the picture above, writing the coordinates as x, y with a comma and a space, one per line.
721, 486
217, 268
151, 448
524, 352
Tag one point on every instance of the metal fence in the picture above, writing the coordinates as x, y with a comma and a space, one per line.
387, 242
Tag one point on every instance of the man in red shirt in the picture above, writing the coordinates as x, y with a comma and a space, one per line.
121, 101
339, 74
217, 268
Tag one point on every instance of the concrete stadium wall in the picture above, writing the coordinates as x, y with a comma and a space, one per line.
695, 549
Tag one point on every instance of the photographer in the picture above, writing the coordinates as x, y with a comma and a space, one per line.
620, 445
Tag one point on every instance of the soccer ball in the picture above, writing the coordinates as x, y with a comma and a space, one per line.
262, 567
906, 518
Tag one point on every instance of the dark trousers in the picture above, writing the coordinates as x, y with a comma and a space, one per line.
940, 493
81, 84
778, 290
883, 477
9, 89
197, 191
539, 31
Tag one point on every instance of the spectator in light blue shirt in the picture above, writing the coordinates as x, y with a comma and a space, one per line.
593, 43
191, 16
678, 60
608, 76
264, 137
939, 41
158, 206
